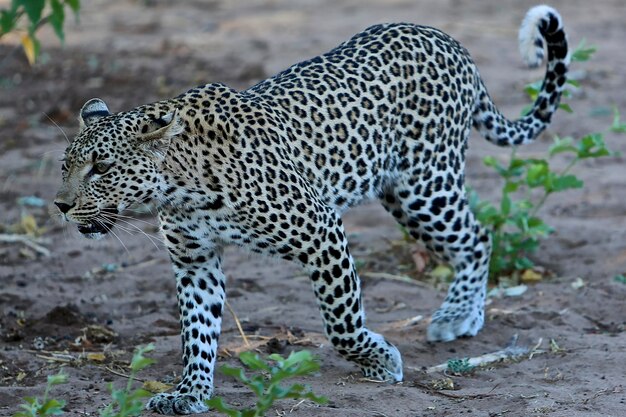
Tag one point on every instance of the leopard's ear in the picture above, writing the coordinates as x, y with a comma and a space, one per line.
157, 133
92, 110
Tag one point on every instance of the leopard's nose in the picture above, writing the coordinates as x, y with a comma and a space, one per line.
63, 207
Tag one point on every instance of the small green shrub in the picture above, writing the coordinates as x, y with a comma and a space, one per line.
31, 12
34, 407
460, 366
528, 182
127, 402
515, 224
266, 385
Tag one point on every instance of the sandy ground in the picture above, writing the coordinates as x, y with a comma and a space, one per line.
132, 52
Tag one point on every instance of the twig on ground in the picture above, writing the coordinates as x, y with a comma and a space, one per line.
53, 356
510, 352
32, 242
401, 324
54, 359
123, 375
116, 372
297, 405
238, 323
448, 395
392, 277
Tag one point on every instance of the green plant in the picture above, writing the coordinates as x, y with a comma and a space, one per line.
515, 224
34, 407
33, 10
128, 402
528, 182
460, 366
266, 385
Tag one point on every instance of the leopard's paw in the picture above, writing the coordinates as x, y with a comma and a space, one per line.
176, 403
381, 360
451, 322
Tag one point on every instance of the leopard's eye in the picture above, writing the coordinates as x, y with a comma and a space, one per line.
101, 167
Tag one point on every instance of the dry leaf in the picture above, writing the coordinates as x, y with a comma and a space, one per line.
20, 376
420, 259
29, 49
99, 334
156, 387
96, 357
442, 272
28, 225
530, 276
442, 384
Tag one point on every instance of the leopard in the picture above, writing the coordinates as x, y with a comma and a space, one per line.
386, 115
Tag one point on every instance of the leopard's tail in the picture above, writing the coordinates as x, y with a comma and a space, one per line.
541, 26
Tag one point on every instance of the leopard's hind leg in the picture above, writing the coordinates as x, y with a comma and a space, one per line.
438, 214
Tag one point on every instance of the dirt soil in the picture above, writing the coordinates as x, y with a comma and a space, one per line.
87, 305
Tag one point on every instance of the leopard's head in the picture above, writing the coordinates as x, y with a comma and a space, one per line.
113, 162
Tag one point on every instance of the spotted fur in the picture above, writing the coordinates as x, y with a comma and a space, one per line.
385, 115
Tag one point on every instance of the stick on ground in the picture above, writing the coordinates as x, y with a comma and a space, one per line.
32, 242
510, 352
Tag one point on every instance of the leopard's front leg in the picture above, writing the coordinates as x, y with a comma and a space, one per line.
325, 255
200, 291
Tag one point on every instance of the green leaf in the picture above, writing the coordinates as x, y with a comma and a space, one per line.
74, 5
526, 110
57, 379
57, 17
566, 107
562, 145
294, 357
139, 393
523, 263
218, 404
33, 9
511, 187
491, 161
574, 83
505, 205
537, 173
139, 361
538, 226
617, 126
7, 21
566, 182
592, 146
278, 392
257, 385
252, 361
236, 373
52, 408
533, 89
583, 52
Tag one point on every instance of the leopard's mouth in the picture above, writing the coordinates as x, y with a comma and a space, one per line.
100, 225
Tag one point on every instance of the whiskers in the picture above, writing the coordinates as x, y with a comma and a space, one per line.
58, 127
123, 223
